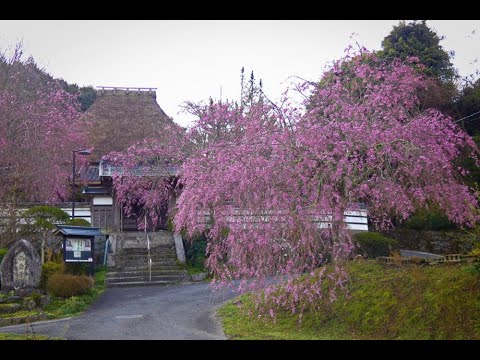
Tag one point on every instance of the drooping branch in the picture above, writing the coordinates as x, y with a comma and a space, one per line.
272, 201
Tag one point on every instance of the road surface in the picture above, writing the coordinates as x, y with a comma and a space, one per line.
184, 311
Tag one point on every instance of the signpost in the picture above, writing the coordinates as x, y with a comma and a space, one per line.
79, 244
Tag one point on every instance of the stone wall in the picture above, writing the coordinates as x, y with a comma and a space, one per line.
437, 242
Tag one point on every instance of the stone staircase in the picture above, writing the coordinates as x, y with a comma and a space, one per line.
129, 264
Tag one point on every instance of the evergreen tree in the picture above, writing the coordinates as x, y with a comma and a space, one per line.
417, 39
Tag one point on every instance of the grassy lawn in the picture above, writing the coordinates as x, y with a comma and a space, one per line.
385, 303
9, 336
21, 313
61, 308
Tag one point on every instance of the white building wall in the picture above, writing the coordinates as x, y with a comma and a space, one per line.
102, 200
80, 213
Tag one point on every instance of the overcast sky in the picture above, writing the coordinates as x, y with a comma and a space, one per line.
191, 60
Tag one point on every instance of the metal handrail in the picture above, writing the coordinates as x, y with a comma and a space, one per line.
149, 258
150, 268
105, 253
148, 252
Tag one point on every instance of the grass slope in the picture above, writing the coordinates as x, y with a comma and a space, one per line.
384, 303
10, 336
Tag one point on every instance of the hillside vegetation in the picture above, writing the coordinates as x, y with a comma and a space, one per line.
385, 303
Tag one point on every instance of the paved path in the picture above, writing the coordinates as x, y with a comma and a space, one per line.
420, 254
185, 311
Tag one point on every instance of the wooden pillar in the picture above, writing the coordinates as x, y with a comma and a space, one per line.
116, 216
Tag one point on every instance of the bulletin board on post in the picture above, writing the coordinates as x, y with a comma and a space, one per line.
78, 249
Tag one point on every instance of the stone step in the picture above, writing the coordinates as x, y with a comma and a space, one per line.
135, 233
21, 319
171, 271
144, 262
9, 308
159, 265
144, 274
122, 255
134, 251
156, 250
141, 246
128, 279
150, 233
8, 299
144, 259
144, 254
142, 283
141, 239
141, 236
155, 267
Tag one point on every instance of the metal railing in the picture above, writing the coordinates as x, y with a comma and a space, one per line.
105, 252
149, 259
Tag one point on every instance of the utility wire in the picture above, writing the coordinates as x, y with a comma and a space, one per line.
471, 119
466, 117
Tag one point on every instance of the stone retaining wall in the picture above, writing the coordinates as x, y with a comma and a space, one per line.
436, 242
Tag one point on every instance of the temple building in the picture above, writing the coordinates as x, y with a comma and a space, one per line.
120, 117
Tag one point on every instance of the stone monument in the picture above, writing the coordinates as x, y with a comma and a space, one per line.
21, 269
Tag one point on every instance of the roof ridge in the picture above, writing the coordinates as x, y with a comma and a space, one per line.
122, 90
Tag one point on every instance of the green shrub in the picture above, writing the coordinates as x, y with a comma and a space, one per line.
195, 251
48, 269
373, 244
74, 305
76, 268
37, 298
55, 256
475, 268
2, 253
169, 226
66, 285
428, 220
78, 222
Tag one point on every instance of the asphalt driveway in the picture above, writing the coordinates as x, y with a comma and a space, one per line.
185, 311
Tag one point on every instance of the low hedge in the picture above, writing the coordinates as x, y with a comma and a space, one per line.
66, 285
372, 244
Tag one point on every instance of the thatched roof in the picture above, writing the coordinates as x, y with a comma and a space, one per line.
122, 117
